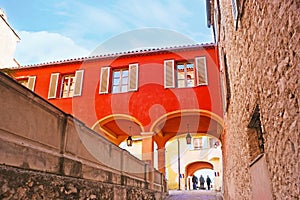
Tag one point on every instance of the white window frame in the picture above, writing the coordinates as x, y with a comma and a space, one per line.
69, 85
121, 70
198, 143
185, 74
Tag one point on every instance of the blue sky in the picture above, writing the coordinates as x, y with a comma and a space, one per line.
59, 29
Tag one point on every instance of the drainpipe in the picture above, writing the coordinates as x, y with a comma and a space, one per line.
178, 143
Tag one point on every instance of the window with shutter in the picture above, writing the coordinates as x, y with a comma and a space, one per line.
198, 143
201, 71
235, 12
133, 77
255, 135
104, 80
27, 81
31, 82
78, 82
53, 85
169, 74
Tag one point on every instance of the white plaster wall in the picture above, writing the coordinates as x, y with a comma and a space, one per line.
8, 44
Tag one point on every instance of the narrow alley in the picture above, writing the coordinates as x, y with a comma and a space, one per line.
193, 194
149, 100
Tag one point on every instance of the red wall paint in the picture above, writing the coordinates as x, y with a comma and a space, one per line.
147, 104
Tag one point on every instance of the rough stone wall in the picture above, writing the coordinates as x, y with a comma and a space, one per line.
23, 184
264, 68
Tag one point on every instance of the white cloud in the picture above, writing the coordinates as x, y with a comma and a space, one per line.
43, 46
92, 24
81, 26
167, 14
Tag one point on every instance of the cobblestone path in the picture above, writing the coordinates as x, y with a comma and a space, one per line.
193, 194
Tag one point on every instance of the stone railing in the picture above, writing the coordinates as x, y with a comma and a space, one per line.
38, 137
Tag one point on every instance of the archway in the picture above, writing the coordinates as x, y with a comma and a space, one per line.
212, 168
178, 123
192, 169
204, 127
118, 127
195, 166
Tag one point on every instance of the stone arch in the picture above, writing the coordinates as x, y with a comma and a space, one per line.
178, 122
117, 127
195, 166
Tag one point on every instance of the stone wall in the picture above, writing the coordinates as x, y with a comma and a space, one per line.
263, 65
47, 154
18, 183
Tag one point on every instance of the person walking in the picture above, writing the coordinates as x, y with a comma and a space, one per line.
208, 182
195, 182
201, 179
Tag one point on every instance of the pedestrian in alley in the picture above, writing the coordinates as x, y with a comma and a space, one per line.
195, 182
208, 182
201, 182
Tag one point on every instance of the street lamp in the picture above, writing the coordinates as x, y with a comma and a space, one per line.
188, 139
178, 143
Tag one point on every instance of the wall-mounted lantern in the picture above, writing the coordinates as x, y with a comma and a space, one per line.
216, 144
188, 136
129, 141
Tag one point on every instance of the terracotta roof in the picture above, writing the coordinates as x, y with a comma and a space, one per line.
125, 53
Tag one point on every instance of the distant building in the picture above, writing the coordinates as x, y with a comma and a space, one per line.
9, 39
259, 43
147, 97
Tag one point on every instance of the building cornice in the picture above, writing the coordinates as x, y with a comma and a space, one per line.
125, 54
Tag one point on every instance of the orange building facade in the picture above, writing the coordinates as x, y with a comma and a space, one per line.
150, 95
